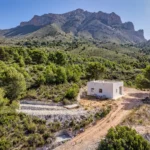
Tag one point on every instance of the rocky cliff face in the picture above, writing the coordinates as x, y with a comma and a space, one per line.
100, 26
78, 15
128, 26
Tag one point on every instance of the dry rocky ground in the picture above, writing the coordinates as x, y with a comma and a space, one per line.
52, 113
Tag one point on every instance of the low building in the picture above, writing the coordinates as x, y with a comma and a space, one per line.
105, 89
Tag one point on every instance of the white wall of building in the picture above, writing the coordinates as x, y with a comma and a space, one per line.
109, 89
116, 90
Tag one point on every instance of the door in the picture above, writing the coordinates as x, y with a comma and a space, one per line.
120, 90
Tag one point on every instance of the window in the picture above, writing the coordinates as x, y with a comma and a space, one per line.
92, 89
100, 91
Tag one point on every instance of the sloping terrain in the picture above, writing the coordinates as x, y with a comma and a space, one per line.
120, 109
49, 33
140, 121
53, 113
20, 31
100, 26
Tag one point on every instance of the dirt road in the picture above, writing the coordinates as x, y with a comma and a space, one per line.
120, 109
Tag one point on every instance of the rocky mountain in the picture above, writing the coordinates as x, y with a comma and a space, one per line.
97, 25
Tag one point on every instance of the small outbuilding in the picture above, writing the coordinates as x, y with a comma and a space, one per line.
105, 89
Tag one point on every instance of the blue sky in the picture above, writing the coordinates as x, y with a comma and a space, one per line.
12, 12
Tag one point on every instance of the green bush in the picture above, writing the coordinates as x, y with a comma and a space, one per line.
72, 92
54, 126
57, 99
31, 128
102, 114
41, 129
123, 138
35, 140
13, 82
3, 101
66, 102
46, 136
4, 144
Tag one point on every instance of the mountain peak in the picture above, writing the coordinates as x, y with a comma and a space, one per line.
141, 32
109, 19
113, 13
79, 10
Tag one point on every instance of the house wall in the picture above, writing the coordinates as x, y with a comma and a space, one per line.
116, 90
107, 89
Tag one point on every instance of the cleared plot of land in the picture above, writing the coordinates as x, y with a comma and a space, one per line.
120, 110
53, 113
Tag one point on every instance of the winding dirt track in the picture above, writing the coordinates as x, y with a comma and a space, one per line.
89, 139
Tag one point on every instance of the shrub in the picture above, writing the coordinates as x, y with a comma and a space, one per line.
4, 144
32, 94
123, 138
31, 128
35, 140
57, 99
41, 129
102, 114
13, 82
72, 92
66, 102
46, 136
3, 101
55, 126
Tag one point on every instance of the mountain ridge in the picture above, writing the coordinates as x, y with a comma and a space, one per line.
97, 25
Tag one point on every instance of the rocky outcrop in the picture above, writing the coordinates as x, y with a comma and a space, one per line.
44, 20
128, 26
140, 33
108, 19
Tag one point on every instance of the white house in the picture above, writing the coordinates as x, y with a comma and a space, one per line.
108, 89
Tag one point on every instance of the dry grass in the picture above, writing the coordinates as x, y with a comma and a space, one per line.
92, 103
139, 116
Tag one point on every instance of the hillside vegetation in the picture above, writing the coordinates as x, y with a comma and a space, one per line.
123, 138
19, 131
54, 72
34, 67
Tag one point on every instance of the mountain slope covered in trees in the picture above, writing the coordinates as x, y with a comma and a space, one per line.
53, 71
